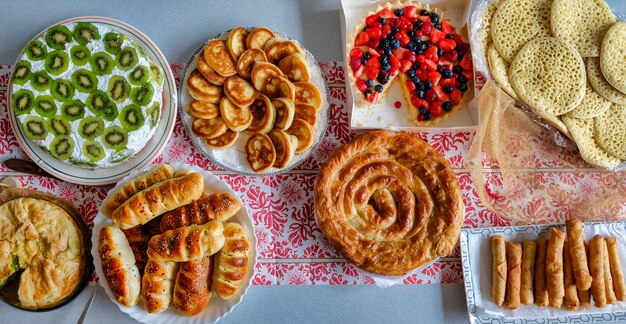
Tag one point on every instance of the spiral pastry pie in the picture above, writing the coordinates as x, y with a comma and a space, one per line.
389, 203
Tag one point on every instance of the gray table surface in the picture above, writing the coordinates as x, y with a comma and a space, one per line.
178, 28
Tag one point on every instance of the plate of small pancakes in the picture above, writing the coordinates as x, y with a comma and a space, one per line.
564, 60
254, 101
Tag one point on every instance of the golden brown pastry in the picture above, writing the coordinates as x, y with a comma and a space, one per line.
236, 42
280, 87
223, 141
192, 291
306, 92
157, 285
231, 262
541, 292
239, 91
295, 68
203, 109
596, 267
158, 199
498, 255
514, 273
209, 128
529, 251
281, 49
260, 152
217, 206
571, 293
304, 132
144, 180
554, 268
285, 111
285, 146
201, 89
138, 239
388, 202
247, 60
190, 243
118, 265
262, 72
608, 278
306, 112
217, 56
258, 37
263, 115
577, 253
208, 72
616, 269
236, 118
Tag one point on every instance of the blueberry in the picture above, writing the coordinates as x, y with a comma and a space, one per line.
450, 36
418, 41
410, 33
398, 12
439, 52
369, 83
367, 92
363, 60
411, 46
386, 67
424, 12
383, 78
390, 37
457, 69
378, 88
448, 88
461, 79
462, 87
422, 47
367, 55
388, 52
395, 43
427, 85
383, 59
410, 73
416, 81
439, 68
395, 30
447, 74
382, 20
423, 110
434, 17
438, 26
384, 44
421, 94
419, 86
427, 116
419, 23
447, 106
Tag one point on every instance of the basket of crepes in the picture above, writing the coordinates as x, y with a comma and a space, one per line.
174, 235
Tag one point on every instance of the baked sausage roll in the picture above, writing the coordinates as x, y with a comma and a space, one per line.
231, 262
118, 265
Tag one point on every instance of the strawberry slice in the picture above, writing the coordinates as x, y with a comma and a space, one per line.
420, 58
457, 39
446, 27
405, 23
425, 19
451, 82
385, 30
466, 63
373, 43
415, 101
360, 84
421, 74
431, 95
446, 44
439, 92
373, 62
371, 72
394, 62
373, 52
434, 77
455, 96
400, 52
403, 38
356, 53
436, 35
355, 63
426, 28
409, 12
420, 117
410, 56
370, 20
362, 39
430, 65
468, 74
410, 86
374, 33
358, 72
435, 109
405, 65
386, 13
431, 54
449, 57
373, 97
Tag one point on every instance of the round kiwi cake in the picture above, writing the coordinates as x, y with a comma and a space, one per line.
87, 94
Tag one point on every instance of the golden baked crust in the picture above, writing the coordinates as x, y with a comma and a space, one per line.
388, 202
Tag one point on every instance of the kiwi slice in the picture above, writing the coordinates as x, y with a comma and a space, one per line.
118, 89
84, 81
157, 73
114, 137
57, 62
35, 51
62, 90
35, 128
97, 101
62, 147
110, 111
40, 80
101, 63
139, 75
73, 110
80, 55
113, 42
45, 106
93, 150
126, 58
131, 117
22, 102
85, 32
143, 95
57, 36
21, 72
59, 126
155, 113
90, 127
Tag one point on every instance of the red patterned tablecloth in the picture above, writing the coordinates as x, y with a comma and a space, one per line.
291, 248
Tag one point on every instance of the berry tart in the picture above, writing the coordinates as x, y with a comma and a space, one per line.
416, 45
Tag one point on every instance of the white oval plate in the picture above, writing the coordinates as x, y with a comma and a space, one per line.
217, 307
234, 157
104, 176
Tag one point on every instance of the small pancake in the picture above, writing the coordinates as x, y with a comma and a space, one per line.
549, 75
261, 72
281, 49
484, 33
260, 152
518, 21
295, 68
600, 84
217, 56
304, 132
582, 133
223, 141
263, 115
203, 109
306, 92
201, 89
499, 69
239, 91
306, 112
209, 128
612, 56
581, 23
593, 105
280, 86
208, 72
285, 111
258, 37
247, 60
285, 146
236, 118
236, 42
610, 131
